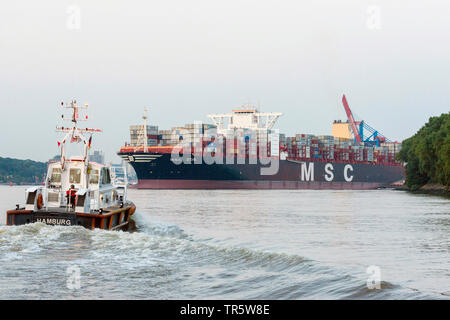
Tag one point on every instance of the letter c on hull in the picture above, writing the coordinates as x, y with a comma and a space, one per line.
346, 168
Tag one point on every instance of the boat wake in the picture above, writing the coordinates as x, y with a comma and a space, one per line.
161, 261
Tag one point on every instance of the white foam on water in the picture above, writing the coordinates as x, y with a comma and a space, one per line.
154, 227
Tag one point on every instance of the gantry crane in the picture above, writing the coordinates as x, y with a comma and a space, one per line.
371, 137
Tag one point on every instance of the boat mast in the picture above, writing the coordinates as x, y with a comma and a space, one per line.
74, 133
144, 130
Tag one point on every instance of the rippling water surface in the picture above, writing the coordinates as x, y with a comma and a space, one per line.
238, 244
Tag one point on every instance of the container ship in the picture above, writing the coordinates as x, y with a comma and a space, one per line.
242, 150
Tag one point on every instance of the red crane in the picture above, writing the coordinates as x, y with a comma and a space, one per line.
371, 137
351, 120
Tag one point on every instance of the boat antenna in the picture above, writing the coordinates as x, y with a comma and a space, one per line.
144, 129
75, 134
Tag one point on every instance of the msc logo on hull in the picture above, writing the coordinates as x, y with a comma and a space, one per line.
307, 172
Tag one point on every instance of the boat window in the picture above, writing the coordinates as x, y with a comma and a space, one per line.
75, 175
56, 175
106, 179
93, 177
31, 197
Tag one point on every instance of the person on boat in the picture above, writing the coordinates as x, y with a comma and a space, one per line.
71, 194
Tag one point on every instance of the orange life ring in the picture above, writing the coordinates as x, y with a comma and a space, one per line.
40, 201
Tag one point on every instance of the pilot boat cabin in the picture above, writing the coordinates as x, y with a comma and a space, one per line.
93, 190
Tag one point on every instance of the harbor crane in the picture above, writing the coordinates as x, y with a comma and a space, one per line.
362, 132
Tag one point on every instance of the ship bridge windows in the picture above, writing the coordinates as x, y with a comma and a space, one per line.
56, 175
94, 177
75, 176
106, 178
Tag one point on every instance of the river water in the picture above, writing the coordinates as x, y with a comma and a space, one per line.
238, 244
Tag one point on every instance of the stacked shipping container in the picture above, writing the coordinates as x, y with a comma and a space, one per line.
249, 143
305, 146
137, 135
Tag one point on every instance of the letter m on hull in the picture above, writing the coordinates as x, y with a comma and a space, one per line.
307, 172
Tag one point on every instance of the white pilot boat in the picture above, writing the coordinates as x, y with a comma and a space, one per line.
77, 191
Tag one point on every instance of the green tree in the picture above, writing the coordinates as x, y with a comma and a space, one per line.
21, 171
427, 154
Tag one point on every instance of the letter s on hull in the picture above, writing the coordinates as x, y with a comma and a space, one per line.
329, 175
346, 168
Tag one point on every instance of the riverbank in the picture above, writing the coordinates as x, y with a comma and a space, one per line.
21, 172
433, 188
430, 188
20, 184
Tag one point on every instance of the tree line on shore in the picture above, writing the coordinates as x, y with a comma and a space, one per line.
427, 154
21, 171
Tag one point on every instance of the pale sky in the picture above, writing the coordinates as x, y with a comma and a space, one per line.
186, 59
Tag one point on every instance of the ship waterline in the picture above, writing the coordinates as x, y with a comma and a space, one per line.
253, 184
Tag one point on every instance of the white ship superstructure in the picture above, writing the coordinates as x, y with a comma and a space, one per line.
246, 118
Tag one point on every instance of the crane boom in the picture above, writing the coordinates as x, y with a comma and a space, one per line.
351, 120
